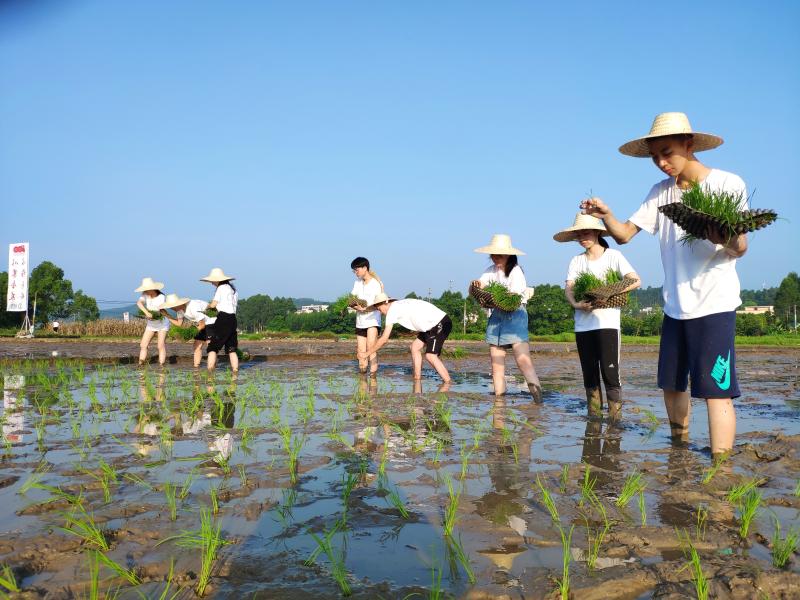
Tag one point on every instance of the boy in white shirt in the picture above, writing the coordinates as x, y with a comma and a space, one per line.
701, 287
194, 312
432, 324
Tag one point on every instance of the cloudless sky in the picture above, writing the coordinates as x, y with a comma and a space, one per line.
281, 140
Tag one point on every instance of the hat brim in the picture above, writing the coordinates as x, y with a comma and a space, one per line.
496, 250
381, 302
179, 302
569, 234
701, 141
156, 286
217, 279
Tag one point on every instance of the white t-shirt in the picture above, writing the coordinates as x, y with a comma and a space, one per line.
601, 318
226, 298
153, 305
414, 315
699, 278
194, 312
515, 282
367, 291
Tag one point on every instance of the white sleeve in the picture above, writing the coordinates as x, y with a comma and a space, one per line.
646, 216
218, 295
574, 268
516, 281
623, 266
487, 277
355, 288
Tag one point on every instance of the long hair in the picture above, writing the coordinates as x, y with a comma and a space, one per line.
511, 263
228, 281
602, 241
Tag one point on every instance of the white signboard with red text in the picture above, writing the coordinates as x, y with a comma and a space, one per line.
17, 296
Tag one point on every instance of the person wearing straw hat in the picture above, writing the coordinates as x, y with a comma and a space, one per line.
150, 304
597, 331
431, 324
225, 300
194, 312
508, 330
368, 322
701, 286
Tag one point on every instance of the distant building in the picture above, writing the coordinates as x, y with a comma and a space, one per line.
311, 308
756, 310
647, 309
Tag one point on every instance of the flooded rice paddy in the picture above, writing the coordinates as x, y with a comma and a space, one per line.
301, 479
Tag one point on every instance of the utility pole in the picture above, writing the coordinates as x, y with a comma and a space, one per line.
465, 316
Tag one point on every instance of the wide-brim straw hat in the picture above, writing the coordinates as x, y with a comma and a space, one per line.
380, 299
581, 222
149, 284
174, 300
217, 275
500, 244
670, 123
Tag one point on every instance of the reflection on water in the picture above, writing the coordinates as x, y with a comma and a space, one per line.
601, 449
13, 416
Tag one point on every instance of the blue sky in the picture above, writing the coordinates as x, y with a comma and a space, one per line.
279, 141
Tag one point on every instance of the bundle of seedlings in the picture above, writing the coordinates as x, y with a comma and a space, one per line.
155, 314
353, 301
342, 303
495, 295
701, 210
211, 313
607, 292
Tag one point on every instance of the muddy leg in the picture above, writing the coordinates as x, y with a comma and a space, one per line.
614, 401
372, 337
361, 346
679, 409
522, 354
721, 425
162, 347
497, 356
146, 337
197, 354
594, 402
416, 357
436, 363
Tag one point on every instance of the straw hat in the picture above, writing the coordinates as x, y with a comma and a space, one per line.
174, 300
582, 222
500, 244
149, 284
670, 123
380, 299
217, 275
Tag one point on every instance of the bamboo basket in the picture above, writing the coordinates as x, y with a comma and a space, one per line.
697, 223
611, 295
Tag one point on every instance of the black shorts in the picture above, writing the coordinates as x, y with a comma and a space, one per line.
362, 331
224, 334
203, 335
701, 349
434, 338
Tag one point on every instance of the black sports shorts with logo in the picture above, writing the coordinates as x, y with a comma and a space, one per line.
434, 338
701, 350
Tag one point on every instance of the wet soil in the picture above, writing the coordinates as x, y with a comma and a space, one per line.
403, 454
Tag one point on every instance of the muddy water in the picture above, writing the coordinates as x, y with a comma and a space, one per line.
407, 457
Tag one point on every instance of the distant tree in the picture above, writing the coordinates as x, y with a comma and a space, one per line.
51, 292
549, 312
83, 308
787, 298
413, 296
454, 304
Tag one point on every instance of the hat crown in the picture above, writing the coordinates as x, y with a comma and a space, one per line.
670, 123
583, 221
171, 298
500, 244
149, 284
501, 240
216, 275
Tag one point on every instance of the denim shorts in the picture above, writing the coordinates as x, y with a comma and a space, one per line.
506, 328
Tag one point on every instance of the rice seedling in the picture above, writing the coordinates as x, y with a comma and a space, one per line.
94, 577
451, 511
783, 547
547, 500
465, 456
502, 297
335, 558
293, 450
41, 470
587, 485
596, 536
436, 592
186, 486
698, 577
394, 499
58, 494
747, 511
83, 526
456, 551
135, 479
588, 281
797, 488
509, 439
714, 468
242, 474
170, 492
165, 593
632, 486
564, 479
737, 492
8, 581
562, 583
349, 481
213, 493
643, 508
128, 575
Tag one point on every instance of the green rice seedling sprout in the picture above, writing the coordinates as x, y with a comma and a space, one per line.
242, 474
451, 511
465, 456
170, 492
135, 479
783, 547
643, 508
747, 511
94, 577
436, 592
632, 486
349, 481
712, 470
335, 558
564, 479
58, 494
7, 579
701, 522
562, 584
41, 470
737, 492
547, 500
698, 577
213, 493
587, 485
596, 536
187, 485
456, 550
83, 526
584, 282
502, 297
128, 575
394, 499
165, 593
723, 205
293, 451
797, 488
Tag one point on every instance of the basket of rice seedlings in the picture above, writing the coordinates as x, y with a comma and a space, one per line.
155, 314
701, 210
495, 295
605, 292
353, 301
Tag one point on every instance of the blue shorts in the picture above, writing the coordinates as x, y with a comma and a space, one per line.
506, 328
701, 349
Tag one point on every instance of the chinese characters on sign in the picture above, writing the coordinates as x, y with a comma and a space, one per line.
17, 297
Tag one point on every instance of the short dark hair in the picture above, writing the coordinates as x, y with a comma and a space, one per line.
359, 261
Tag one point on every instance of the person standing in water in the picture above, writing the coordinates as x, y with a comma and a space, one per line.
225, 301
368, 322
